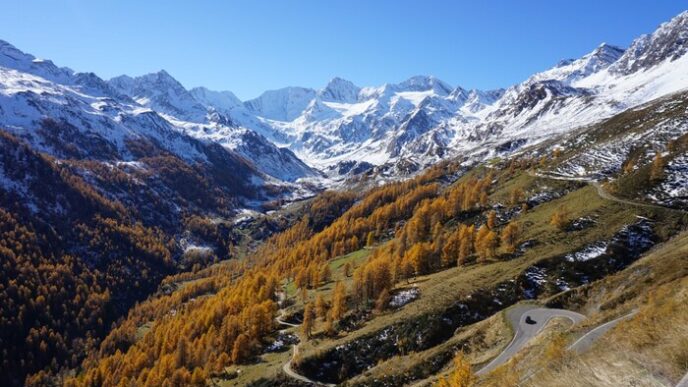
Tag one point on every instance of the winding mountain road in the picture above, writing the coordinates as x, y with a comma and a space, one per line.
585, 342
683, 382
527, 321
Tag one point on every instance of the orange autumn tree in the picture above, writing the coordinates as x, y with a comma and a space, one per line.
461, 376
509, 237
559, 218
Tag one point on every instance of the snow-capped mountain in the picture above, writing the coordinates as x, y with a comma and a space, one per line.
668, 43
281, 105
206, 115
414, 122
222, 101
162, 93
87, 134
423, 119
340, 90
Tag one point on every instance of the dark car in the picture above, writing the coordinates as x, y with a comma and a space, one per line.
530, 320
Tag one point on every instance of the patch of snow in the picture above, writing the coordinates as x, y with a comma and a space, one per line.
589, 252
403, 297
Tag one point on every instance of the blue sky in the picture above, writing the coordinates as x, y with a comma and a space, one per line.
251, 46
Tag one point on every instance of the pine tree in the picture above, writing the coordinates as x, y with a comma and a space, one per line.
484, 199
418, 255
485, 243
304, 294
301, 278
407, 268
181, 354
491, 242
329, 325
198, 377
450, 250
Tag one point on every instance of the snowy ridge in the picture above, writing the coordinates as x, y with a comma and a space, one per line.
297, 133
423, 119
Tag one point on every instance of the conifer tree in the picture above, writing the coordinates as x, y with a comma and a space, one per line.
320, 306
509, 237
382, 300
461, 376
657, 168
339, 301
517, 196
308, 320
370, 240
241, 349
559, 218
491, 219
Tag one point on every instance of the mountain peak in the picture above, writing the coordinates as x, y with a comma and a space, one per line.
570, 70
283, 104
668, 42
607, 52
340, 90
221, 101
425, 83
14, 58
160, 91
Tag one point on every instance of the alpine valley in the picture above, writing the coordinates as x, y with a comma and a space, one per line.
400, 234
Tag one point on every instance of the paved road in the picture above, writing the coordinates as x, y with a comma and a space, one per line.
683, 382
525, 331
585, 342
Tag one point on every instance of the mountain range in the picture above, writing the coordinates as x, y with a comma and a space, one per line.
324, 136
152, 234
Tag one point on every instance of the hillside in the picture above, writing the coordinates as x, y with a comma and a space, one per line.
385, 291
414, 233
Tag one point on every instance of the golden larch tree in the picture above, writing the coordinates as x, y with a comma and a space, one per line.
559, 218
509, 237
657, 168
308, 320
461, 376
491, 219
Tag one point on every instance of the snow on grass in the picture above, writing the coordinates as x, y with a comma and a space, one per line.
589, 252
403, 297
674, 188
536, 277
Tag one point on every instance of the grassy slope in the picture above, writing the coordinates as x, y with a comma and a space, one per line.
440, 290
649, 349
